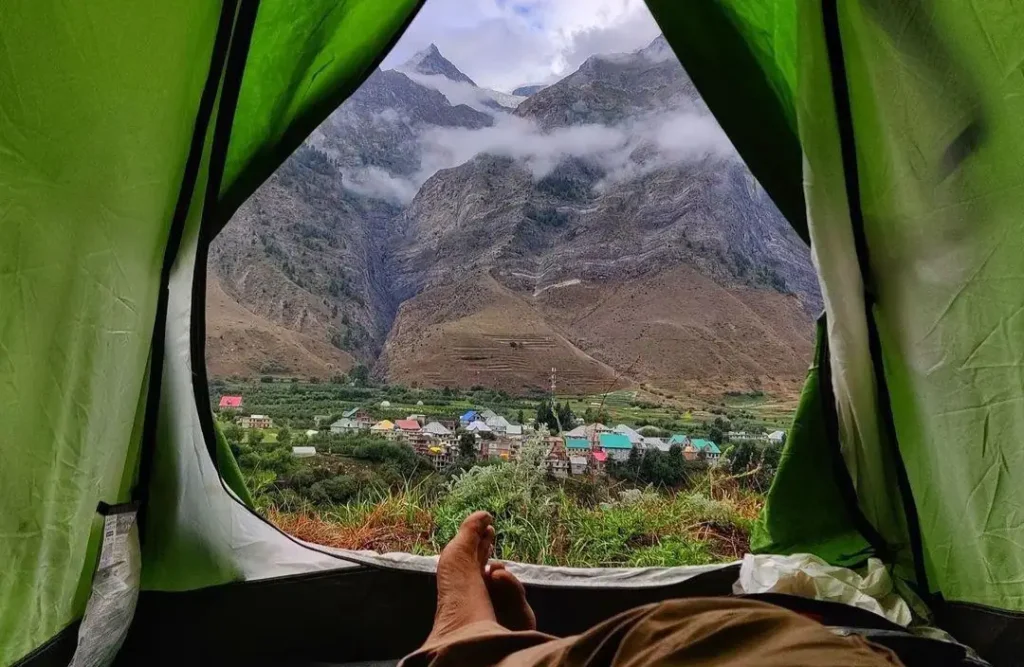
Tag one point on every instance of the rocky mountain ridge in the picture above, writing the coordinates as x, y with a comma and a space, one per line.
472, 243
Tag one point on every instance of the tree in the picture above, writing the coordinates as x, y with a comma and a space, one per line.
255, 437
360, 375
232, 433
565, 416
520, 418
546, 417
284, 436
715, 435
591, 416
467, 445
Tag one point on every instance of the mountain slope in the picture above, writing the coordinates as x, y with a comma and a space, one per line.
305, 251
605, 228
430, 61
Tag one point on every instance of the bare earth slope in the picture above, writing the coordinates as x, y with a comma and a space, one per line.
240, 342
678, 330
477, 332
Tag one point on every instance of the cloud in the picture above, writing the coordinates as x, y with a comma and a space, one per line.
375, 183
460, 92
503, 44
623, 152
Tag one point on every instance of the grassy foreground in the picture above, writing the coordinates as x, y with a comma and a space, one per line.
576, 522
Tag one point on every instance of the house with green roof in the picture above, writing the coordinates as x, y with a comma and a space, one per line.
678, 439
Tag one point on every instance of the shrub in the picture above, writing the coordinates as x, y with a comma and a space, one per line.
334, 491
516, 495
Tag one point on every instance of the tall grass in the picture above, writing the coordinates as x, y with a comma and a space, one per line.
538, 521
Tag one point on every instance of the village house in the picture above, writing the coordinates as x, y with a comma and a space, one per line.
556, 460
422, 419
442, 456
230, 402
707, 447
514, 435
679, 439
497, 423
587, 431
410, 431
407, 426
439, 433
486, 414
255, 421
635, 439
575, 446
478, 427
777, 437
651, 442
345, 426
616, 445
303, 452
498, 448
578, 464
385, 428
468, 418
362, 419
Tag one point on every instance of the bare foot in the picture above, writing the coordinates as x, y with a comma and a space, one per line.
508, 598
462, 595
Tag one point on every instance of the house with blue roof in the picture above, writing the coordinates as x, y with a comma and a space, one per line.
470, 417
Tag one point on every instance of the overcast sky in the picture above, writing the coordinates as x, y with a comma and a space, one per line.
502, 44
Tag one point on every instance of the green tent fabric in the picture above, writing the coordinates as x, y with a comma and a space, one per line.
829, 524
888, 133
94, 136
941, 169
912, 195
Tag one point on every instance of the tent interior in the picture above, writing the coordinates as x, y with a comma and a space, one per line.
889, 133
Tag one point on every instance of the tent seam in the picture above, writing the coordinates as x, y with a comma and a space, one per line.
186, 193
848, 152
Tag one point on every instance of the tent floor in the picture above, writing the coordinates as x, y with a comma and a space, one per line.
366, 617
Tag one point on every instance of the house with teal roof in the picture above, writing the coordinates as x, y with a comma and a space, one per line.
709, 448
678, 439
616, 445
577, 443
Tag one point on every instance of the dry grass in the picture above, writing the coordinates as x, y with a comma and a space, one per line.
393, 524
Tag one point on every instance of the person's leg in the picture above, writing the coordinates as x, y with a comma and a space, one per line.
483, 619
462, 596
482, 614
